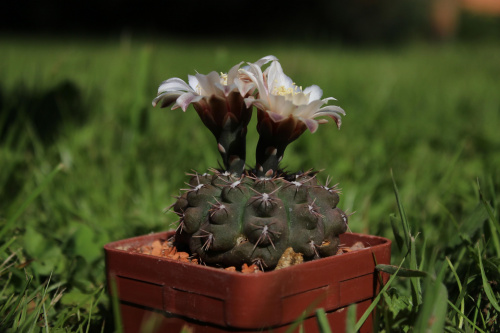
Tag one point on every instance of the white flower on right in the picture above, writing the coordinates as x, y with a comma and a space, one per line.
282, 99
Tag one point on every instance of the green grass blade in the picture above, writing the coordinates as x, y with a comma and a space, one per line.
351, 319
415, 282
6, 320
410, 244
492, 221
6, 303
116, 306
477, 310
40, 307
90, 315
306, 313
7, 244
186, 329
22, 317
11, 221
486, 286
324, 326
45, 319
400, 271
402, 213
372, 306
423, 256
395, 230
462, 303
432, 313
464, 317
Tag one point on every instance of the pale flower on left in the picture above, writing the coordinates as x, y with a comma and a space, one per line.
176, 91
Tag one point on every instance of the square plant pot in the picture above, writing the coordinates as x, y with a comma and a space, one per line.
166, 295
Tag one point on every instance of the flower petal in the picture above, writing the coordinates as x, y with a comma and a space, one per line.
166, 99
249, 101
314, 92
299, 98
307, 110
264, 60
276, 117
233, 73
173, 84
225, 89
185, 99
279, 104
276, 78
193, 82
207, 83
331, 109
311, 124
326, 100
333, 112
254, 74
244, 87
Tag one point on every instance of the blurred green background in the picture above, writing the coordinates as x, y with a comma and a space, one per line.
86, 160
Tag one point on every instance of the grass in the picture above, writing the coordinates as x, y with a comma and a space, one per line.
85, 160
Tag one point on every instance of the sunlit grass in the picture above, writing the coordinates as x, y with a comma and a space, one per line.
429, 113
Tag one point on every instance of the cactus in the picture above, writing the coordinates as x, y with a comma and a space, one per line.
231, 221
234, 216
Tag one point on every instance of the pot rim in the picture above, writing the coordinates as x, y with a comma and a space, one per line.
115, 246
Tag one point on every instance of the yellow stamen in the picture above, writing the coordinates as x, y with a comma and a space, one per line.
223, 78
284, 91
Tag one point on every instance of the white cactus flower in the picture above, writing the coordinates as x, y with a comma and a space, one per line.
281, 98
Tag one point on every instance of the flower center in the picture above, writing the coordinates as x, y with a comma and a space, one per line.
285, 91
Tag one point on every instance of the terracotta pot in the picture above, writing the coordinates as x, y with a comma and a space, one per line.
170, 294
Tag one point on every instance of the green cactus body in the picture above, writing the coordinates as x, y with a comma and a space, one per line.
230, 221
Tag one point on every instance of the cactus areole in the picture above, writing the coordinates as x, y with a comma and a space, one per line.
231, 216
